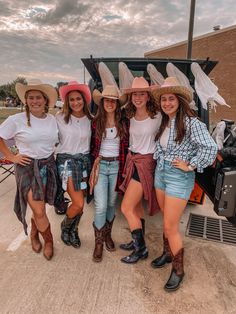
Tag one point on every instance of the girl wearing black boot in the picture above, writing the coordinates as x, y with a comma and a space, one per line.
109, 146
183, 145
140, 165
73, 154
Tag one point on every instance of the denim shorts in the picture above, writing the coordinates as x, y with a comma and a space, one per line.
60, 170
175, 182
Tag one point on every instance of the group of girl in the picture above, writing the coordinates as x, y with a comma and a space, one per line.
144, 144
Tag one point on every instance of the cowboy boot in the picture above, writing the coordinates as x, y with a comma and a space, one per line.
109, 243
165, 258
130, 245
74, 235
66, 226
177, 272
34, 236
99, 240
48, 245
140, 250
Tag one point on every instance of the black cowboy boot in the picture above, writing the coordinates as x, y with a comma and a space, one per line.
66, 226
140, 250
109, 243
130, 246
73, 234
99, 240
165, 258
177, 272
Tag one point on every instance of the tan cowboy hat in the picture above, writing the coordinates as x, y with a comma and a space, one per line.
139, 84
172, 86
110, 91
35, 84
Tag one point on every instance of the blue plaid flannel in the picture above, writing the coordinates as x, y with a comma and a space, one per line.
198, 148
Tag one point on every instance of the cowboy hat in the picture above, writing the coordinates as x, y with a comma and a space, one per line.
139, 84
111, 92
172, 86
35, 84
75, 86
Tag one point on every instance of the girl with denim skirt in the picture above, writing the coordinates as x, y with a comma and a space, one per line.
73, 154
35, 134
109, 146
139, 168
183, 145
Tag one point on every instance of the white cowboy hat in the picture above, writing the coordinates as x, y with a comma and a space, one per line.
110, 91
35, 84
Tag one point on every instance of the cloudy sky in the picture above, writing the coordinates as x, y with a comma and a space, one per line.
46, 39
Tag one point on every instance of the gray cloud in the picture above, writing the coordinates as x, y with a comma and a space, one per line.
47, 39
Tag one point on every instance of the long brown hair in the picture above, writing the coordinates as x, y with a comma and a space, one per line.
27, 110
67, 111
183, 111
152, 107
101, 118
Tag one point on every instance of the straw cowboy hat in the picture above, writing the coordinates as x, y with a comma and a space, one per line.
75, 86
172, 86
35, 84
139, 84
111, 92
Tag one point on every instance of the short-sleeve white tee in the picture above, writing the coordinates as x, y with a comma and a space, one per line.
142, 134
74, 137
36, 141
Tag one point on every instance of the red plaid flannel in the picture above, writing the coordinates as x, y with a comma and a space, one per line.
124, 144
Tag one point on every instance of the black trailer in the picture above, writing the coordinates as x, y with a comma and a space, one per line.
218, 181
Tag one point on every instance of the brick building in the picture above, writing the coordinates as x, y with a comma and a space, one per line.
219, 45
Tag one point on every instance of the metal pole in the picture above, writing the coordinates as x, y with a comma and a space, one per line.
190, 29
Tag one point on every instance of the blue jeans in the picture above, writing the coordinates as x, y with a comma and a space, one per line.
104, 193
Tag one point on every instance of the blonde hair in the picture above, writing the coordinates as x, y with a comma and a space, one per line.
27, 110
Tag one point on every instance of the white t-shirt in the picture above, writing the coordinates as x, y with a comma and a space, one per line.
74, 137
36, 141
164, 138
142, 134
110, 145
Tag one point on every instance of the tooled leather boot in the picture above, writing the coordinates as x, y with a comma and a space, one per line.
130, 245
140, 251
34, 236
66, 226
48, 243
109, 243
99, 240
165, 258
73, 234
177, 272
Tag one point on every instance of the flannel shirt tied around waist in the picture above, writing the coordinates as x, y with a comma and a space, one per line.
145, 165
28, 177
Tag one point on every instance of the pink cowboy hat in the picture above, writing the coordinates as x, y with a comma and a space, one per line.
139, 84
75, 86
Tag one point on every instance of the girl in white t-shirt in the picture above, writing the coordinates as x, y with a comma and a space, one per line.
109, 145
140, 165
73, 154
35, 134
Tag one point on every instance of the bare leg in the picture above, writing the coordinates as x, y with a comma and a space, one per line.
77, 198
39, 212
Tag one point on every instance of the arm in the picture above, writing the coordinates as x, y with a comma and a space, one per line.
17, 159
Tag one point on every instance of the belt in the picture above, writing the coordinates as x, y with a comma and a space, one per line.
110, 158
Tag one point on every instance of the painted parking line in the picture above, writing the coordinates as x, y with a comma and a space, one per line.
16, 243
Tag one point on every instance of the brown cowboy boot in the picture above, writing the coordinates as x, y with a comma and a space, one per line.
99, 239
177, 272
109, 243
48, 245
34, 236
165, 258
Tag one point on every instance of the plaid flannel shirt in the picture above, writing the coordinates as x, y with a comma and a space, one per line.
198, 148
124, 144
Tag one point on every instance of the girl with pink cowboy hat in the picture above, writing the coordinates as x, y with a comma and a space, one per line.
145, 120
183, 145
73, 154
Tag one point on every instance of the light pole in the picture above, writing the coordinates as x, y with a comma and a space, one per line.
190, 29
